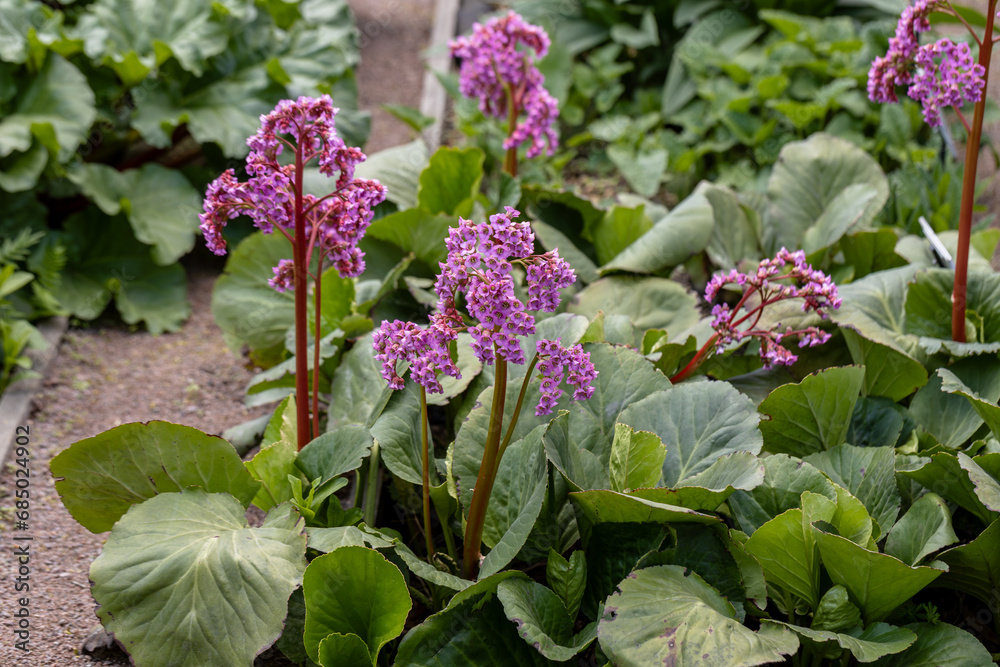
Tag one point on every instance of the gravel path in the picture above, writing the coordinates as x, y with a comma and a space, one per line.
110, 375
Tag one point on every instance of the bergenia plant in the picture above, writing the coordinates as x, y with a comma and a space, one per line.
273, 197
508, 84
787, 276
479, 274
942, 74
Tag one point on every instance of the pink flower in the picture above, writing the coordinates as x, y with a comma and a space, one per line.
497, 73
938, 74
336, 222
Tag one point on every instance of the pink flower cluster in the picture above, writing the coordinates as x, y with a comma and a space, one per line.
479, 267
497, 73
767, 284
334, 223
940, 74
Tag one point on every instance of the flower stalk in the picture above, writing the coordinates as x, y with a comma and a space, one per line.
959, 294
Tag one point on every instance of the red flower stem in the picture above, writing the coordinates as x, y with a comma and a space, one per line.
958, 297
686, 372
301, 311
472, 549
427, 474
961, 18
517, 410
316, 337
510, 159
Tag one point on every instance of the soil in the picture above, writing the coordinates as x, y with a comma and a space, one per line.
108, 374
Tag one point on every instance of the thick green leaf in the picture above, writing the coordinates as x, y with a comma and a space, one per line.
271, 467
100, 478
785, 480
180, 567
246, 308
642, 169
618, 229
541, 619
869, 474
468, 632
551, 238
397, 431
673, 239
567, 578
786, 549
878, 422
613, 550
570, 444
924, 529
877, 640
847, 516
282, 425
515, 502
450, 180
836, 612
20, 171
888, 372
950, 417
871, 251
329, 539
940, 645
988, 410
734, 237
354, 590
160, 203
698, 423
353, 388
944, 475
813, 415
984, 481
623, 376
713, 486
807, 192
612, 507
104, 261
134, 38
335, 452
416, 230
57, 108
877, 582
928, 312
651, 303
974, 568
874, 307
337, 650
206, 108
398, 169
636, 459
666, 615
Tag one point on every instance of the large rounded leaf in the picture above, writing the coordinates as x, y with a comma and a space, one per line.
57, 108
812, 415
100, 478
877, 582
877, 640
674, 238
698, 423
354, 591
940, 645
928, 312
651, 303
515, 502
820, 189
183, 580
869, 474
542, 620
667, 615
467, 633
785, 479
